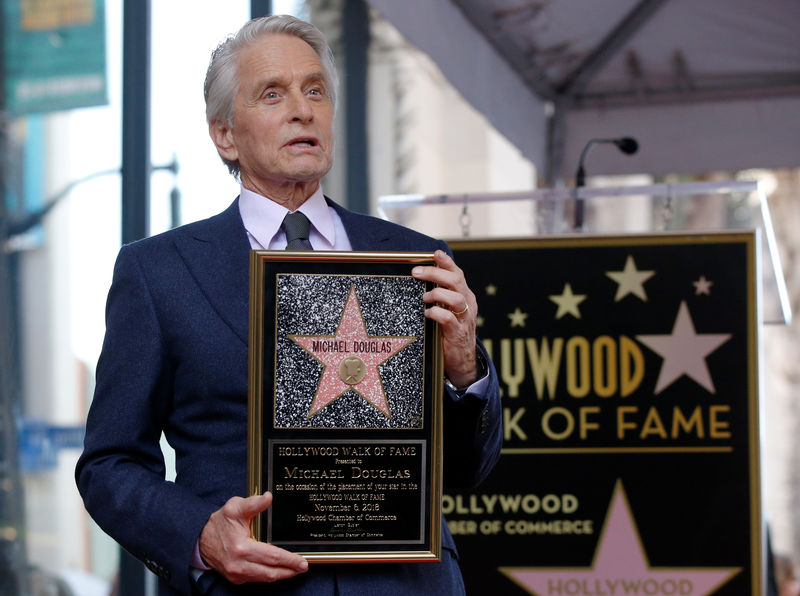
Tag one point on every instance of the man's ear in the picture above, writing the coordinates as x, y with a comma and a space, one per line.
222, 135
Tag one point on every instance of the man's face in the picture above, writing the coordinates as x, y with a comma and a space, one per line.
282, 130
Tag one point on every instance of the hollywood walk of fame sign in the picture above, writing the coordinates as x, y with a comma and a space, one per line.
628, 368
345, 406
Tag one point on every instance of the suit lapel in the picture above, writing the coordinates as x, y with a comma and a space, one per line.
217, 254
365, 237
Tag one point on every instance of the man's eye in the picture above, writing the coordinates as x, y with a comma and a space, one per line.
271, 95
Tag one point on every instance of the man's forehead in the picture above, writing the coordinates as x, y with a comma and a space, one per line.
278, 52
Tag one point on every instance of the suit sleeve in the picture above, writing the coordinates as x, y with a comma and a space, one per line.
121, 473
473, 427
473, 431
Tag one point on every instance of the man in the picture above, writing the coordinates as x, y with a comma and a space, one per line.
175, 353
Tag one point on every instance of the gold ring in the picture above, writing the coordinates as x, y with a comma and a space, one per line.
461, 312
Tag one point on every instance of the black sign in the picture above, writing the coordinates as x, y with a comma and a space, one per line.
628, 368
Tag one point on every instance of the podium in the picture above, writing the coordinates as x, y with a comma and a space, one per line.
625, 333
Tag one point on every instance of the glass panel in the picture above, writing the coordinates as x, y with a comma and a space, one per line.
699, 206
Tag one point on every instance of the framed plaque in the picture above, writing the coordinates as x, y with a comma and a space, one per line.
345, 423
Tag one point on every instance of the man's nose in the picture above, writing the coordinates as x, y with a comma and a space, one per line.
300, 108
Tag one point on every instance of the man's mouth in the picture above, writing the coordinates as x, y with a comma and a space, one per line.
304, 142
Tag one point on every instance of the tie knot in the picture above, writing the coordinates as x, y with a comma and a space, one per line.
296, 226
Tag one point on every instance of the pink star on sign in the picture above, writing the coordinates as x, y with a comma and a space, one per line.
350, 359
620, 566
684, 351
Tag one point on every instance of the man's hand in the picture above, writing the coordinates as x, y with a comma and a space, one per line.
226, 545
455, 309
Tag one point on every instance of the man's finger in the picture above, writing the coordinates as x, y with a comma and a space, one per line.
270, 555
252, 571
252, 506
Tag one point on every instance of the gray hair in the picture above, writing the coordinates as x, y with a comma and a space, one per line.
222, 77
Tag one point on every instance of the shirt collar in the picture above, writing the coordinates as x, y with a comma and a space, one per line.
262, 217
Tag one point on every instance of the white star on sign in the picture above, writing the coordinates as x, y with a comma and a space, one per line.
568, 302
684, 351
702, 286
630, 280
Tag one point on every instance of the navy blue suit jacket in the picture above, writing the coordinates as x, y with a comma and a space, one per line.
174, 360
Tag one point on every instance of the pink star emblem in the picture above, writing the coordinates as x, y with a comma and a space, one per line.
620, 566
350, 359
684, 351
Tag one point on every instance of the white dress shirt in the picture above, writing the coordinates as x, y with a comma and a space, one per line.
262, 219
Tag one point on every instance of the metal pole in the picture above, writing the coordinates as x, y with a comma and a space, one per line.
355, 40
556, 139
136, 166
260, 8
13, 554
136, 169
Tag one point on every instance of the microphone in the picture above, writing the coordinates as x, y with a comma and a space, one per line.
627, 145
